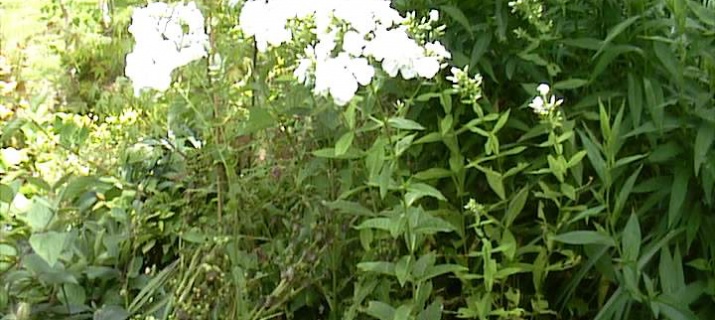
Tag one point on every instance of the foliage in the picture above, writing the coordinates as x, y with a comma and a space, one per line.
562, 167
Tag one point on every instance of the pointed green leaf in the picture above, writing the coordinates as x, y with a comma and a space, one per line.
380, 310
382, 267
48, 245
624, 193
111, 313
516, 205
438, 270
432, 312
585, 237
457, 15
405, 124
344, 143
703, 141
402, 269
615, 32
678, 193
569, 84
417, 191
631, 239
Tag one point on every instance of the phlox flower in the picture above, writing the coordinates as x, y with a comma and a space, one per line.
266, 21
545, 103
349, 35
167, 37
353, 43
340, 77
543, 89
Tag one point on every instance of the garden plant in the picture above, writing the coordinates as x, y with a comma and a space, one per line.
357, 159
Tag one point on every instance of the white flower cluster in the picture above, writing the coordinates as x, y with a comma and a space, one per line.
470, 88
545, 103
167, 37
350, 35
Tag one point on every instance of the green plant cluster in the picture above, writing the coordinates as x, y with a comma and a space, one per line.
237, 194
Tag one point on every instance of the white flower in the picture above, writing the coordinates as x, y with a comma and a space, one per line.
265, 21
353, 43
436, 49
167, 37
301, 72
340, 77
543, 89
368, 30
433, 15
538, 105
544, 104
361, 70
12, 156
427, 67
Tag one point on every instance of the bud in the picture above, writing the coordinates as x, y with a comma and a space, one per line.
23, 311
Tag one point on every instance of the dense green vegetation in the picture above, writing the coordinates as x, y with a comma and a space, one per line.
239, 194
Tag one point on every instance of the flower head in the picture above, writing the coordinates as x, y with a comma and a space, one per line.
167, 37
543, 89
544, 103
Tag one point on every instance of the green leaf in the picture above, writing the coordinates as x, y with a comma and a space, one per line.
7, 254
674, 310
403, 312
48, 245
501, 122
667, 58
596, 159
704, 14
576, 158
40, 215
570, 84
433, 173
75, 295
402, 269
438, 270
629, 159
425, 261
429, 224
385, 224
591, 212
405, 124
480, 47
403, 144
615, 32
623, 194
653, 102
670, 270
349, 207
154, 285
703, 140
678, 193
457, 15
416, 191
6, 193
495, 181
635, 99
350, 116
585, 237
111, 313
258, 119
516, 205
631, 244
432, 312
330, 153
382, 267
344, 143
78, 186
380, 310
